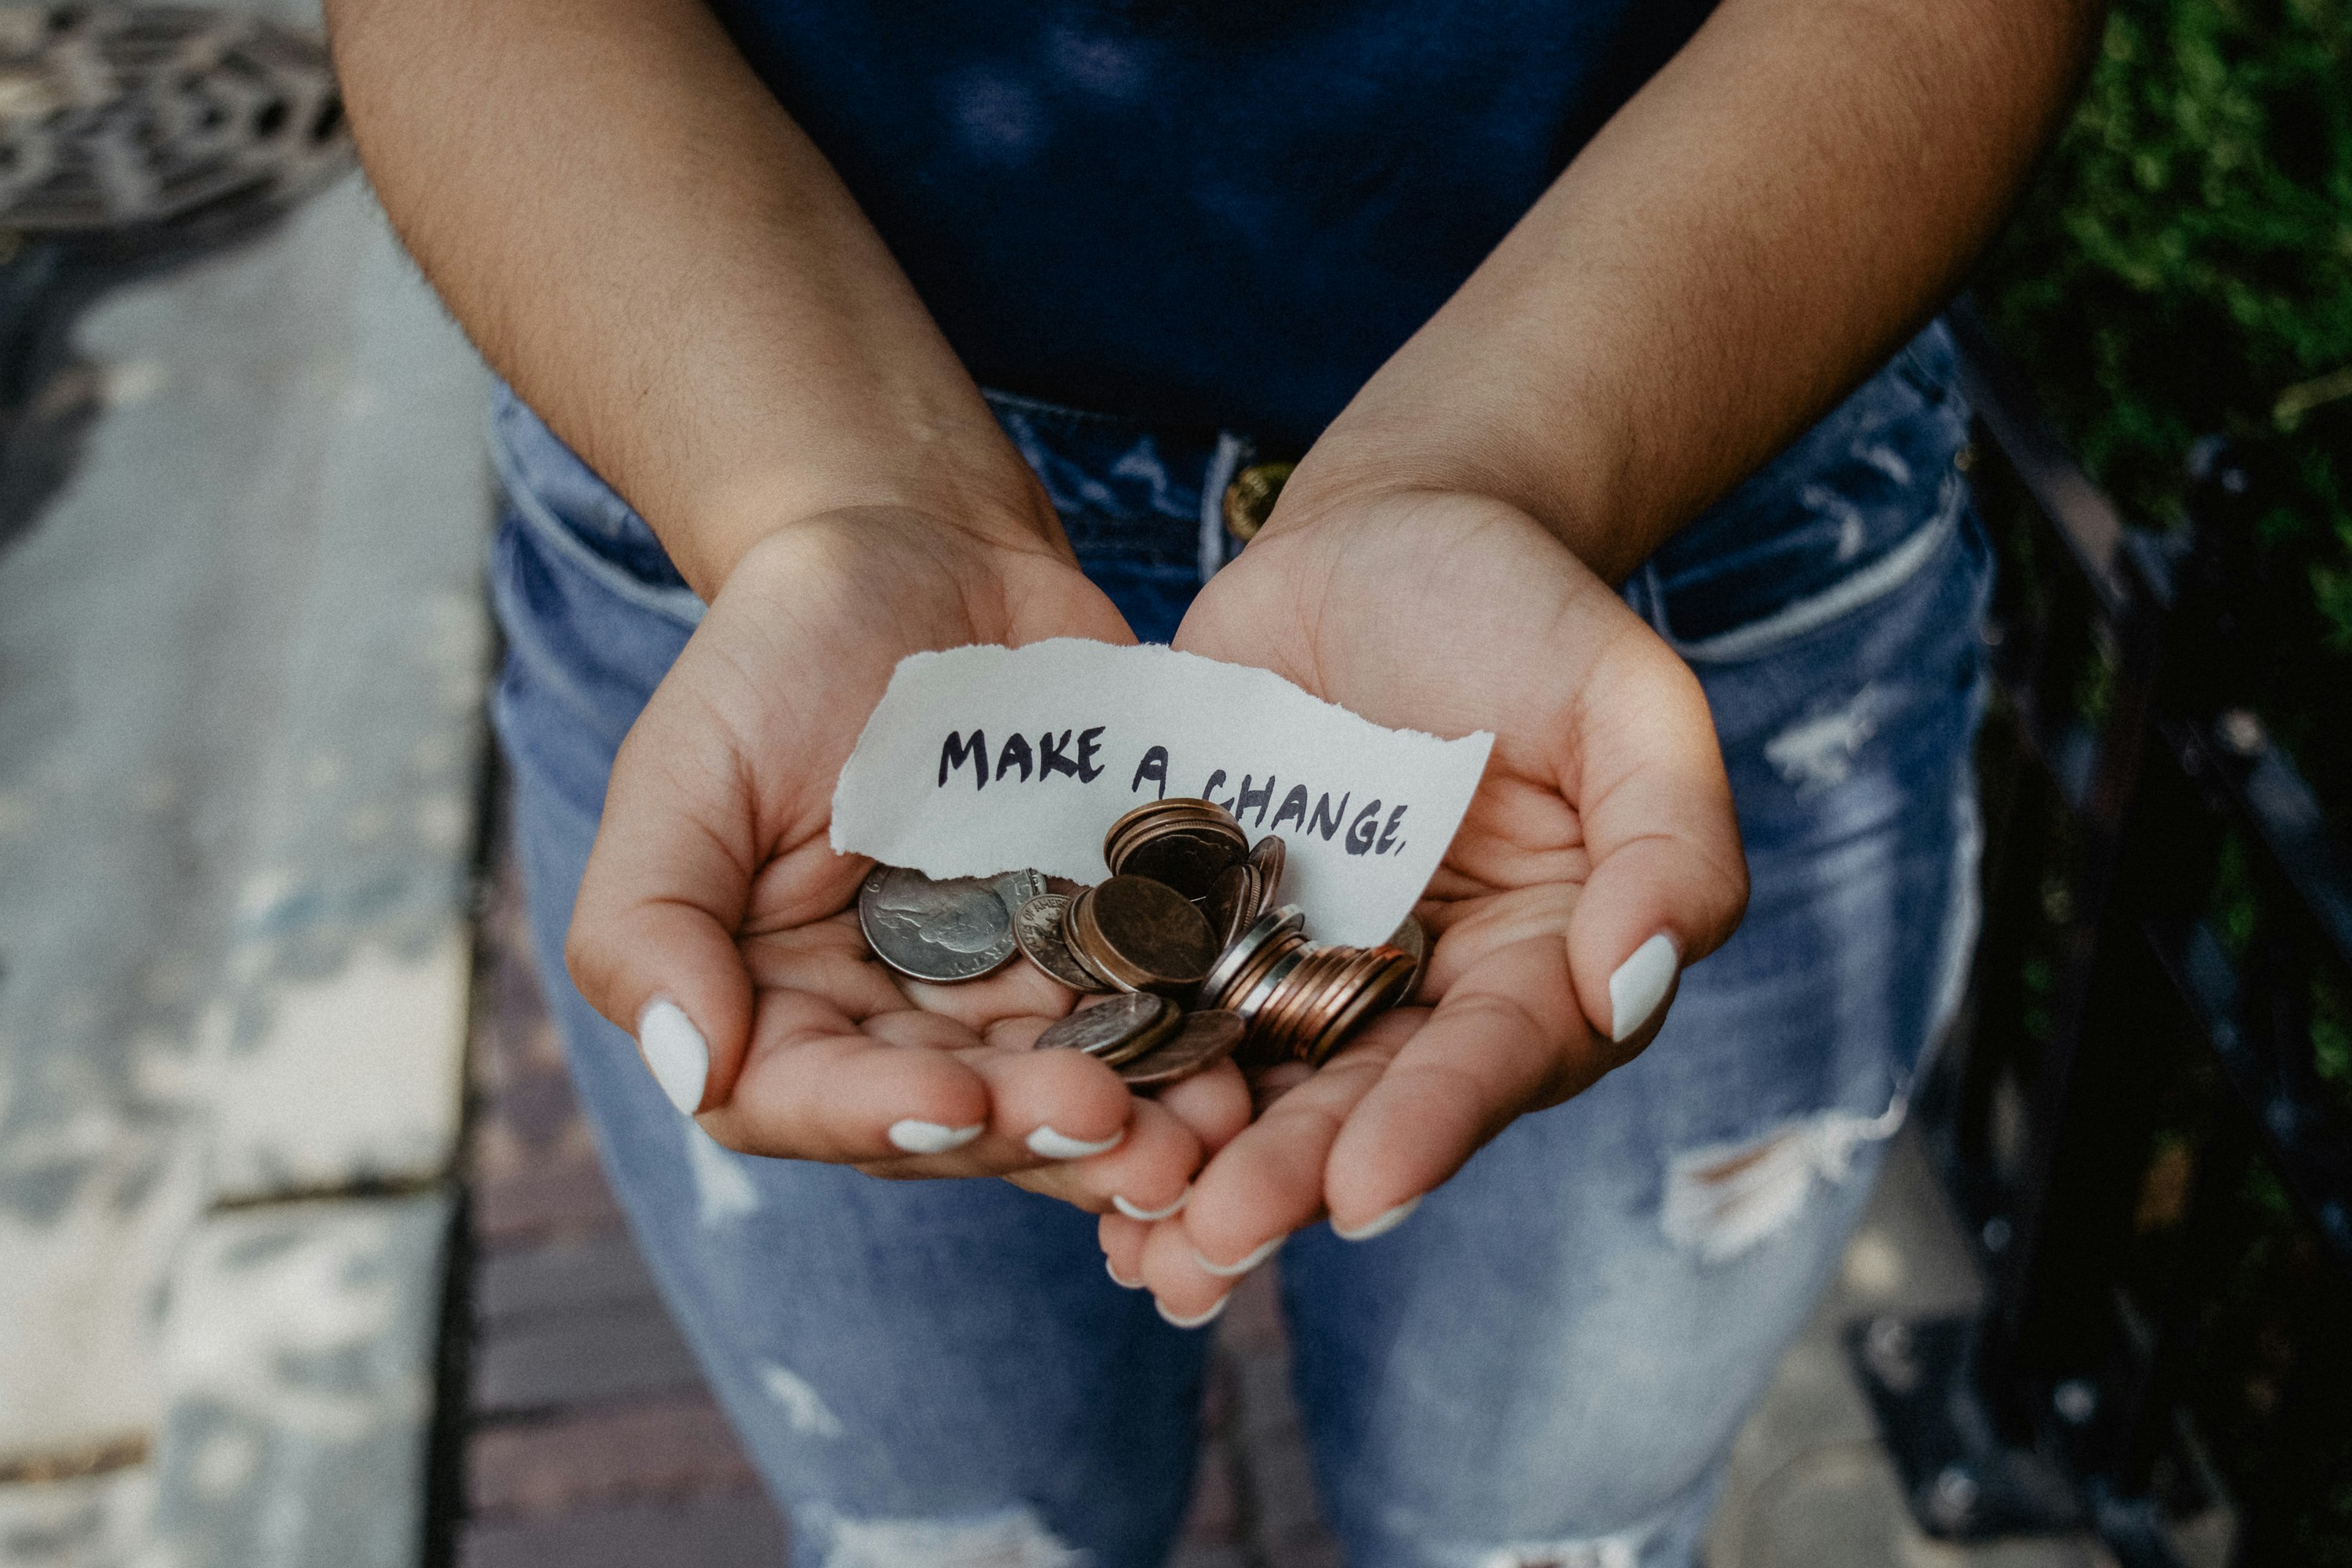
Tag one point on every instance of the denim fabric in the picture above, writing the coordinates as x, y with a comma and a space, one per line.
1548, 1363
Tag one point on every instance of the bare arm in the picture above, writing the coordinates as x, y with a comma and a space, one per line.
1754, 232
642, 242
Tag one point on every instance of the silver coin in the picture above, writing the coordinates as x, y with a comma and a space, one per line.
1229, 964
954, 928
1103, 1030
1017, 887
1037, 928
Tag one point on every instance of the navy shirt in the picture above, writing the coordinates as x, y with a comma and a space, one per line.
1210, 212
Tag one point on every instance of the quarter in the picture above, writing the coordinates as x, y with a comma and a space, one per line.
947, 930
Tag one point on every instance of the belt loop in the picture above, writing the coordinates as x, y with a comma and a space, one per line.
1224, 464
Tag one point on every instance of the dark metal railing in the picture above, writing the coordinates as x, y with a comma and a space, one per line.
2145, 1114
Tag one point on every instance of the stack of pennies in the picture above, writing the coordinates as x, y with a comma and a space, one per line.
1182, 939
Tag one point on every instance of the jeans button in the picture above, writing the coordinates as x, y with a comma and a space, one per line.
1249, 499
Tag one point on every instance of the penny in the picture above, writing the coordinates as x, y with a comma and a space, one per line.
1149, 1039
1413, 943
1234, 901
1037, 929
947, 930
1379, 986
1107, 1026
1205, 1039
1143, 935
1184, 843
1269, 858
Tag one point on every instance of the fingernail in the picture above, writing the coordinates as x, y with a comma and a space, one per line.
1640, 985
932, 1138
1048, 1145
1379, 1224
1197, 1319
1132, 1212
1122, 1284
1229, 1270
674, 1051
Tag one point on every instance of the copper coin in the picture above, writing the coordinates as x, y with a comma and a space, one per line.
1085, 941
1248, 1001
1206, 1037
1233, 903
950, 929
1105, 1026
1385, 981
1270, 856
1187, 857
1037, 928
1411, 940
1145, 935
1150, 1040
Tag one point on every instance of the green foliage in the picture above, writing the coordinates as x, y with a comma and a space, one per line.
2183, 266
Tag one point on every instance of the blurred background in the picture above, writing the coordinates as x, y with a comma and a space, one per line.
304, 1258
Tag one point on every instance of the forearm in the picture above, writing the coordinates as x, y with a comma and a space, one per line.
638, 239
1751, 235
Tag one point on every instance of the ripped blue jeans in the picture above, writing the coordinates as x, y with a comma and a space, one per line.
1549, 1362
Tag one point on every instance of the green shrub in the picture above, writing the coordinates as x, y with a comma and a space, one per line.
2183, 266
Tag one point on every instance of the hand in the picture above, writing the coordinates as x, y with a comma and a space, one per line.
1604, 821
713, 921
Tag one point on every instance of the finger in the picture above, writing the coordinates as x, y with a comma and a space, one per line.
1508, 1036
1147, 1177
652, 943
1669, 881
1187, 1294
1214, 1104
1269, 1179
819, 1085
1122, 1244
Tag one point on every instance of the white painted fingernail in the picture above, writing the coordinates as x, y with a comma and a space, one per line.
674, 1051
1197, 1319
1381, 1224
1048, 1145
1132, 1212
1640, 985
932, 1138
1229, 1270
1122, 1284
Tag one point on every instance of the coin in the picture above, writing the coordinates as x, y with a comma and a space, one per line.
1105, 1026
1017, 887
1205, 1039
1184, 843
1380, 982
1411, 940
1234, 902
1217, 990
952, 928
1142, 934
1269, 858
1149, 1039
1037, 928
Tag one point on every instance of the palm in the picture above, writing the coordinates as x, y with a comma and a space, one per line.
714, 880
1603, 818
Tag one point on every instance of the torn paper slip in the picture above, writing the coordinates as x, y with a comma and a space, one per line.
981, 760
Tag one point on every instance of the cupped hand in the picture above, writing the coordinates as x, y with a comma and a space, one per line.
714, 921
1600, 855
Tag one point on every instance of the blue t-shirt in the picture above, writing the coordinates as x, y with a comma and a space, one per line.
1208, 212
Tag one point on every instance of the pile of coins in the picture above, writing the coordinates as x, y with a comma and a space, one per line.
1183, 938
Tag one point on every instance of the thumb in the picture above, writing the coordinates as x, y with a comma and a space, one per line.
1669, 881
652, 942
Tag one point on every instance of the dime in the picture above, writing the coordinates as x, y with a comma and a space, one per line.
1017, 887
1206, 1037
1105, 1027
1269, 858
1234, 902
1037, 928
1217, 990
953, 929
1144, 935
